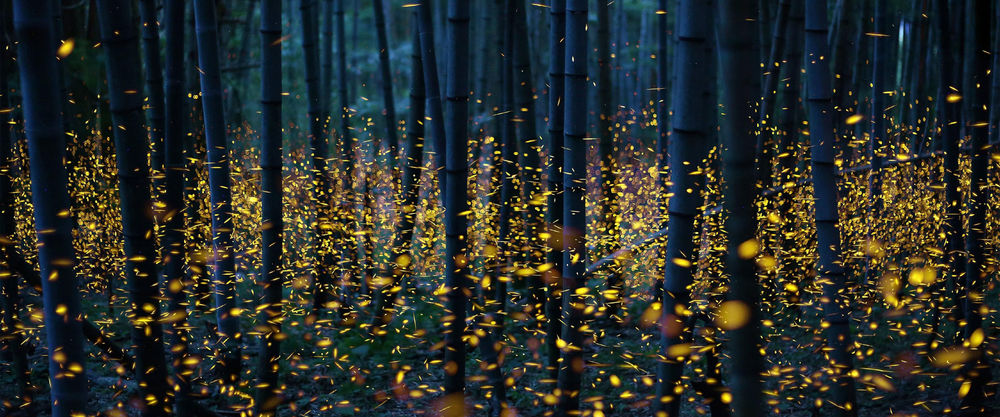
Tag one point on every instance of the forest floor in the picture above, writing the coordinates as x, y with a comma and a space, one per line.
332, 370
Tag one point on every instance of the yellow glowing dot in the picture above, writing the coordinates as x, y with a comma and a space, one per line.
726, 397
66, 48
732, 315
748, 249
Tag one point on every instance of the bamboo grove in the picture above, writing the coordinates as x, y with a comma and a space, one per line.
499, 207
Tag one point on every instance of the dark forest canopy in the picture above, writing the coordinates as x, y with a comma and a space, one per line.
499, 207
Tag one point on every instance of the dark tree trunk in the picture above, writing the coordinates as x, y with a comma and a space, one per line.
829, 267
388, 100
574, 206
413, 158
175, 168
317, 112
43, 125
529, 150
13, 335
219, 181
772, 69
456, 199
605, 136
881, 105
120, 42
977, 369
508, 172
738, 55
607, 152
788, 146
949, 118
154, 89
272, 224
689, 141
326, 43
348, 155
433, 88
553, 277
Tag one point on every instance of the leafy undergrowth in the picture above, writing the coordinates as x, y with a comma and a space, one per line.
334, 368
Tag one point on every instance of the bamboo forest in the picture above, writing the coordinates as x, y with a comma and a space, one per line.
501, 208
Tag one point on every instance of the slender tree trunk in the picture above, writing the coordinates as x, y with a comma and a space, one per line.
574, 206
507, 248
788, 149
41, 105
456, 198
348, 158
325, 43
175, 169
829, 266
995, 90
119, 39
413, 158
388, 100
529, 149
879, 137
194, 148
948, 120
219, 181
317, 112
154, 88
690, 124
272, 225
771, 71
735, 29
607, 150
13, 335
434, 106
553, 277
605, 137
977, 370
664, 92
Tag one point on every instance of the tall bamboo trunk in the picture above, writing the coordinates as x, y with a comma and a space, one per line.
175, 130
317, 111
606, 150
388, 100
738, 54
977, 371
272, 224
322, 14
506, 240
829, 267
574, 206
772, 69
123, 70
529, 152
435, 113
879, 137
43, 126
664, 79
358, 163
350, 223
605, 136
14, 330
554, 255
219, 183
456, 197
689, 142
399, 267
788, 148
154, 89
